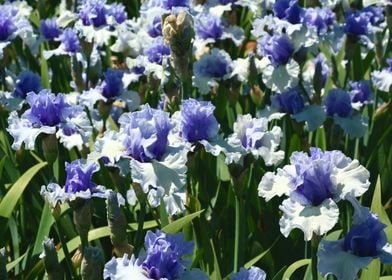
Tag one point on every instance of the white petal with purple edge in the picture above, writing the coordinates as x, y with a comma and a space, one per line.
309, 219
352, 180
274, 185
23, 132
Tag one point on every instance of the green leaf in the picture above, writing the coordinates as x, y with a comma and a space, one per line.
259, 257
216, 274
177, 225
295, 144
377, 206
293, 267
333, 236
44, 70
12, 264
321, 141
98, 233
164, 217
222, 171
372, 271
279, 274
11, 198
45, 225
386, 278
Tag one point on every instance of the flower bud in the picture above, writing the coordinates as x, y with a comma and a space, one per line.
82, 218
92, 264
52, 266
50, 147
117, 226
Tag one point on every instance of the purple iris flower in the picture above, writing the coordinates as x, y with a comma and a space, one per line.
338, 102
155, 28
357, 23
198, 121
278, 48
169, 4
93, 12
209, 27
321, 19
375, 14
166, 255
46, 108
147, 131
27, 81
316, 172
70, 40
157, 51
7, 26
113, 85
320, 59
361, 91
79, 177
366, 239
49, 29
289, 10
215, 65
290, 101
117, 10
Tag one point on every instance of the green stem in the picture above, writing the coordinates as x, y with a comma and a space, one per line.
314, 243
237, 231
67, 256
139, 233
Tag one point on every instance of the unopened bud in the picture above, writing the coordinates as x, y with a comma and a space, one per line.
178, 32
92, 264
82, 219
117, 226
52, 266
50, 147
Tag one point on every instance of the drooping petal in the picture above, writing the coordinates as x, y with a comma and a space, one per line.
309, 219
332, 259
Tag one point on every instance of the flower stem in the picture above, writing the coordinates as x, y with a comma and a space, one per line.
139, 233
237, 231
67, 256
314, 243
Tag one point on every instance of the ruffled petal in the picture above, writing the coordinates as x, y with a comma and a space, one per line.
161, 178
23, 132
124, 269
310, 219
283, 77
353, 179
274, 185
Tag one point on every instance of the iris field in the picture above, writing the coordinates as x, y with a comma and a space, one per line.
196, 139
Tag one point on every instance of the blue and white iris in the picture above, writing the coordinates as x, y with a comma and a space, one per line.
157, 165
251, 136
78, 185
49, 114
314, 184
365, 241
210, 69
166, 257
